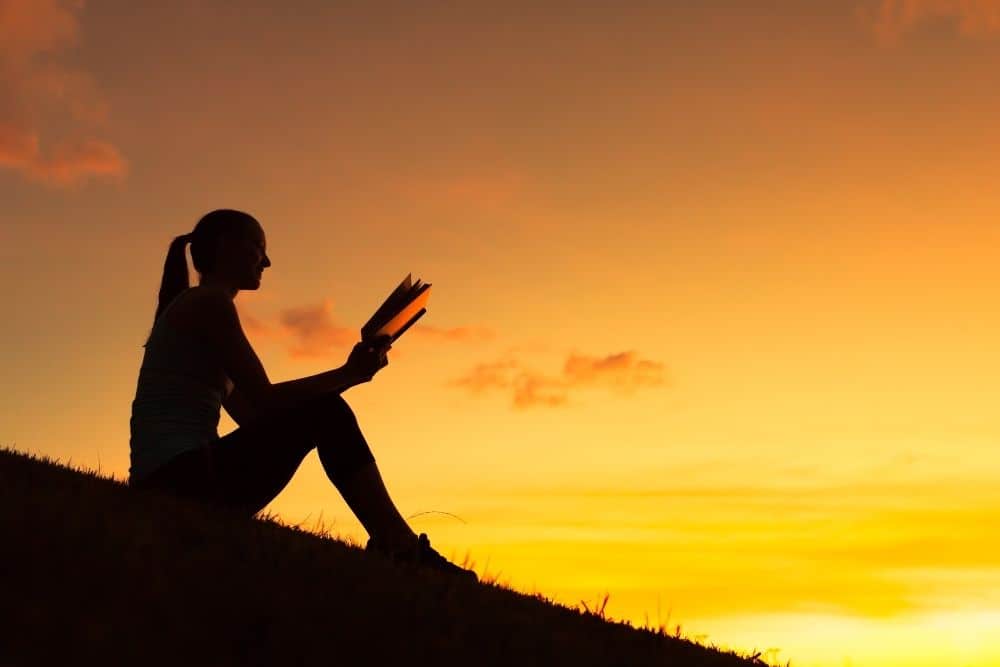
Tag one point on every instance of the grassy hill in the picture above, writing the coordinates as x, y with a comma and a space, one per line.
93, 572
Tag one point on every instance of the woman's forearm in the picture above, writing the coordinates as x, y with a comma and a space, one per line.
288, 394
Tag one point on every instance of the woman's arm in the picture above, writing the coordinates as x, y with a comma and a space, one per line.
258, 396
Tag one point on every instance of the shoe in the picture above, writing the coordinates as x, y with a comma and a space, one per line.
422, 554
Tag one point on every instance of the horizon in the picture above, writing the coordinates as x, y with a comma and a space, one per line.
711, 329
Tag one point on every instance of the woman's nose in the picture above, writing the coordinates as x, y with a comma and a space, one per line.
267, 261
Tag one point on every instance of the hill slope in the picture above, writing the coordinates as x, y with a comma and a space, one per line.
93, 572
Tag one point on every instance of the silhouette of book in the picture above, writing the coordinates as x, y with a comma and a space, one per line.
399, 311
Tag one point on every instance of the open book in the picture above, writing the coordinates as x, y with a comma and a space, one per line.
399, 311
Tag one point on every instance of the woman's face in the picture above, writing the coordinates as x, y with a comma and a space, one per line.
247, 258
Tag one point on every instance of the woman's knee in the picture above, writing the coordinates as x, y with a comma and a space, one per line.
341, 445
341, 459
334, 412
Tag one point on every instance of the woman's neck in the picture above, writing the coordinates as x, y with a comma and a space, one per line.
225, 287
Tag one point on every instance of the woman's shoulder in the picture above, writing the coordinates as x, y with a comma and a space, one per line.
200, 303
213, 309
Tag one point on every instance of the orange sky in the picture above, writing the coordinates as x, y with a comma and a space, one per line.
712, 327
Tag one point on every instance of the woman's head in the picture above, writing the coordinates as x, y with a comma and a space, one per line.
228, 248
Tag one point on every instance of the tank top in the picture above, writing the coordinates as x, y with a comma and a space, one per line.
178, 396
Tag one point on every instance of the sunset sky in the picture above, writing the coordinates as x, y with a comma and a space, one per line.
713, 325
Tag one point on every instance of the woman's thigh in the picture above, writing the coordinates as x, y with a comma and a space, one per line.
187, 474
254, 463
251, 465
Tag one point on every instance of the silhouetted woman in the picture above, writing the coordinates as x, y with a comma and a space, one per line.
198, 360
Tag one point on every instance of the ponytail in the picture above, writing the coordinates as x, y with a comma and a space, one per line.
175, 274
205, 238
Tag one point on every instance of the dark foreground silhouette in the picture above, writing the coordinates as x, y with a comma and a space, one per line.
93, 572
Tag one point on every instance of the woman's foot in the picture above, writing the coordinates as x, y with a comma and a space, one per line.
422, 554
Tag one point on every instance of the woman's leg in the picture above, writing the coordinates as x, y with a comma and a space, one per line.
247, 468
366, 495
254, 463
251, 465
350, 465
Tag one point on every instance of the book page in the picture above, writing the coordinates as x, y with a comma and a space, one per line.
391, 304
399, 320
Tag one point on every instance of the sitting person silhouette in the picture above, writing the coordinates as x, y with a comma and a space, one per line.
197, 360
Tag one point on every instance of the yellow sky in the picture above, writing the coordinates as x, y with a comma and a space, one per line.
712, 327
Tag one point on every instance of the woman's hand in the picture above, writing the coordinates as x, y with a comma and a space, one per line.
368, 357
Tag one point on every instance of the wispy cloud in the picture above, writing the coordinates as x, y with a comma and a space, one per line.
254, 325
893, 19
870, 547
48, 109
487, 376
623, 373
313, 331
310, 331
531, 389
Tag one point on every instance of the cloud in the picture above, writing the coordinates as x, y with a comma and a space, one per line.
892, 19
48, 110
68, 162
486, 376
870, 546
622, 372
527, 387
307, 331
312, 331
255, 326
532, 389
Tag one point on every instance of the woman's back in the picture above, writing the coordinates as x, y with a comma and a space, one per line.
180, 388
